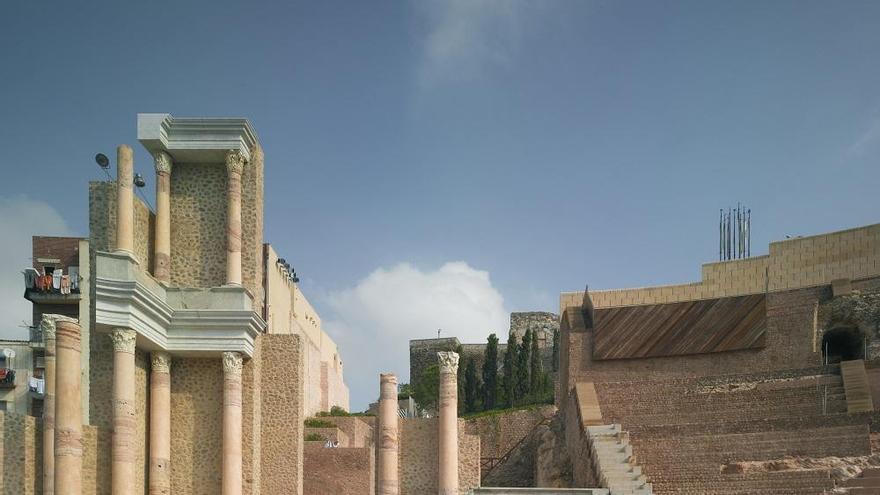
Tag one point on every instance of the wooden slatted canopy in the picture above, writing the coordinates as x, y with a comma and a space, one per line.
674, 329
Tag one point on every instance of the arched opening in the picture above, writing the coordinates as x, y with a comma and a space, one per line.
843, 344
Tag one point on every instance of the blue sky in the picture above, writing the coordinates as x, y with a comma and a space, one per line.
501, 150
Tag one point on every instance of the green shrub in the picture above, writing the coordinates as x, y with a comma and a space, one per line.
314, 437
318, 423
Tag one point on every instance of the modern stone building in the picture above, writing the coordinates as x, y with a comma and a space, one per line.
762, 378
190, 363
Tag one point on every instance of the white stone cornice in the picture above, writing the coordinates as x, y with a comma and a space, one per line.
193, 322
124, 340
232, 363
235, 162
162, 161
448, 362
196, 140
160, 362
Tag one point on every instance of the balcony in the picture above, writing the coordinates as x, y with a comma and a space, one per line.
7, 378
46, 289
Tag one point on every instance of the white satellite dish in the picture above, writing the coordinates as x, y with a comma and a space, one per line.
9, 353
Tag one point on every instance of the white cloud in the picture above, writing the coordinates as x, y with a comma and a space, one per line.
374, 320
463, 38
20, 218
867, 139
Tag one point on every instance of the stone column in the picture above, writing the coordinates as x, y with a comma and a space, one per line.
447, 479
162, 255
68, 408
232, 475
235, 162
160, 424
124, 435
124, 199
48, 328
386, 459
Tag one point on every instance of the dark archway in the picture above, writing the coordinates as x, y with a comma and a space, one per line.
843, 344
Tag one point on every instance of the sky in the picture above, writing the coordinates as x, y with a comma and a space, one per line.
437, 165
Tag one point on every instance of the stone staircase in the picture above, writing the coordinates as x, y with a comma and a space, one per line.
855, 382
614, 461
866, 484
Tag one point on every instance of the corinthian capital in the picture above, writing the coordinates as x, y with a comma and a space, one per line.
235, 162
161, 362
47, 325
123, 340
448, 362
232, 363
163, 162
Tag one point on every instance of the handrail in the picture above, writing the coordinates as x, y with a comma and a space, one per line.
501, 460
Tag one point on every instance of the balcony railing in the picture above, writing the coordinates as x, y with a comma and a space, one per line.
7, 378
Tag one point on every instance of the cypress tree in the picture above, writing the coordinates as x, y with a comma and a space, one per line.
471, 387
536, 371
556, 350
509, 371
490, 373
521, 388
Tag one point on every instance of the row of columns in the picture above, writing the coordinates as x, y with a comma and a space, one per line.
235, 162
62, 415
388, 480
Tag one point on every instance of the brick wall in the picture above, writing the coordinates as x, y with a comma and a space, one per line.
64, 249
418, 455
792, 263
339, 471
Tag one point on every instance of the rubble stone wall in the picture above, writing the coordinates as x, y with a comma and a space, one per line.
419, 449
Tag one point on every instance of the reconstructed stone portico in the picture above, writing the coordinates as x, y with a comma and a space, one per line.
143, 311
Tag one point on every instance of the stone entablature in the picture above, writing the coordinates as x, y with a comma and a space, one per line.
203, 322
196, 140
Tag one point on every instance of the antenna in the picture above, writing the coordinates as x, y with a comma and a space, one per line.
734, 233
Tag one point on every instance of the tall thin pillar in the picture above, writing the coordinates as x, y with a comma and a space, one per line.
124, 435
160, 424
47, 326
386, 459
68, 408
162, 254
447, 479
232, 475
124, 199
235, 162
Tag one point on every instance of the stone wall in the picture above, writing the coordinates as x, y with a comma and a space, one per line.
339, 471
542, 323
196, 425
252, 421
418, 457
97, 460
500, 432
789, 344
252, 227
791, 264
423, 353
198, 225
282, 410
21, 453
358, 430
